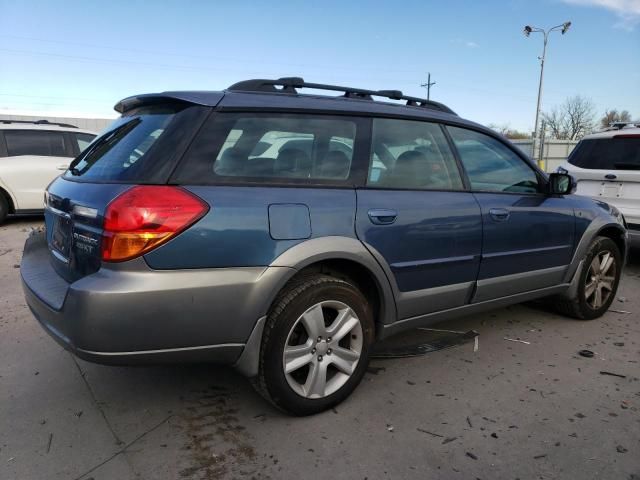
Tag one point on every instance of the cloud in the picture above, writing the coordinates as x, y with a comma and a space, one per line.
627, 11
466, 43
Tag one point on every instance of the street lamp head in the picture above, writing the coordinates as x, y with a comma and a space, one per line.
565, 27
527, 30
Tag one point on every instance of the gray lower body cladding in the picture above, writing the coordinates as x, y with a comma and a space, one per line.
128, 313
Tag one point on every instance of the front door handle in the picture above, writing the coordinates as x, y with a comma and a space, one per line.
499, 214
63, 167
382, 216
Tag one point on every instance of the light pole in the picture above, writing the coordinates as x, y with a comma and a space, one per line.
528, 30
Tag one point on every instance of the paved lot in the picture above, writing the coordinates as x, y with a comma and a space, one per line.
510, 410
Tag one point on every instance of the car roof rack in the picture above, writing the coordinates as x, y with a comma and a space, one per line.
38, 122
290, 84
621, 125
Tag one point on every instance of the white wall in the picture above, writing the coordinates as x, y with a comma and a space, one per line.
93, 124
554, 152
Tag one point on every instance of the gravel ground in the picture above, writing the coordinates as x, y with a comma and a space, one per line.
510, 410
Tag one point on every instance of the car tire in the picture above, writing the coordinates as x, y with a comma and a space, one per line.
597, 284
315, 345
4, 208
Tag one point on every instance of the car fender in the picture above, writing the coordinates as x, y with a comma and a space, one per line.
341, 248
597, 225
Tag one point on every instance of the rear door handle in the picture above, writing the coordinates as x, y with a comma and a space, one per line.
382, 216
62, 167
499, 214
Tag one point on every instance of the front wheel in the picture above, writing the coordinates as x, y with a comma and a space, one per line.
598, 281
315, 346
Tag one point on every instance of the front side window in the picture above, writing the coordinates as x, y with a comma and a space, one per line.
269, 146
492, 166
412, 155
33, 142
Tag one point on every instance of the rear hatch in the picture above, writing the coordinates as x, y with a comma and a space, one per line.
609, 169
140, 148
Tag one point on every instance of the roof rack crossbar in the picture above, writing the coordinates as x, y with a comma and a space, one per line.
620, 125
38, 122
290, 84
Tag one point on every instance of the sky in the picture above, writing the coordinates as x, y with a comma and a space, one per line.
78, 58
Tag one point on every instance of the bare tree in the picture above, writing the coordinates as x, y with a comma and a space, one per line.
614, 115
572, 120
506, 131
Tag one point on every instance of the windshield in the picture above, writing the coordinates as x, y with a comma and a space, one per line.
621, 153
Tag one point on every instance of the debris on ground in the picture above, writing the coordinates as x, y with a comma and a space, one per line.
538, 457
618, 344
494, 435
469, 422
416, 343
448, 440
621, 449
602, 372
620, 311
389, 427
430, 433
49, 443
586, 353
517, 340
471, 455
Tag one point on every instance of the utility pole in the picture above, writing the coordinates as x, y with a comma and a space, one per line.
428, 85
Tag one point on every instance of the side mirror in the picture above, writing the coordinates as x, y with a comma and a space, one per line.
561, 184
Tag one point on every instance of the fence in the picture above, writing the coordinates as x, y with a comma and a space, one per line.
554, 152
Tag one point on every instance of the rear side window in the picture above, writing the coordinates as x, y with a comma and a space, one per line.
622, 153
277, 147
33, 142
140, 147
412, 155
492, 166
83, 140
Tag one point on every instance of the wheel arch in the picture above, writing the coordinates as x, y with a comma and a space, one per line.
7, 196
345, 258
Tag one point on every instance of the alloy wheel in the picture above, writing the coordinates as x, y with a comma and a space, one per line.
600, 279
322, 349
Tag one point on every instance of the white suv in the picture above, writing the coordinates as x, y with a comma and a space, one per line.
32, 154
606, 166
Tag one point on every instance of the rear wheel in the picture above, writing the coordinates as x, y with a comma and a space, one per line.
598, 282
4, 208
315, 346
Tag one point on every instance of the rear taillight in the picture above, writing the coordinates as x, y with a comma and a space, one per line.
146, 216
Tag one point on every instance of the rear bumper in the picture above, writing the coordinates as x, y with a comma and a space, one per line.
130, 314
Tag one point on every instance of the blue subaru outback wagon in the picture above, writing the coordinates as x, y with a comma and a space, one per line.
284, 234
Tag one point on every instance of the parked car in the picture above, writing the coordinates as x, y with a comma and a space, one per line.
32, 154
182, 235
606, 166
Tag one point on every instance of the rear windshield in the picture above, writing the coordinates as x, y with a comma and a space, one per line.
621, 153
138, 147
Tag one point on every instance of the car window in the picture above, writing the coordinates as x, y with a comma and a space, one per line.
83, 140
491, 165
271, 146
33, 142
411, 154
622, 153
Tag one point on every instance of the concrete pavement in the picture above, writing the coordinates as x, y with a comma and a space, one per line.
510, 410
